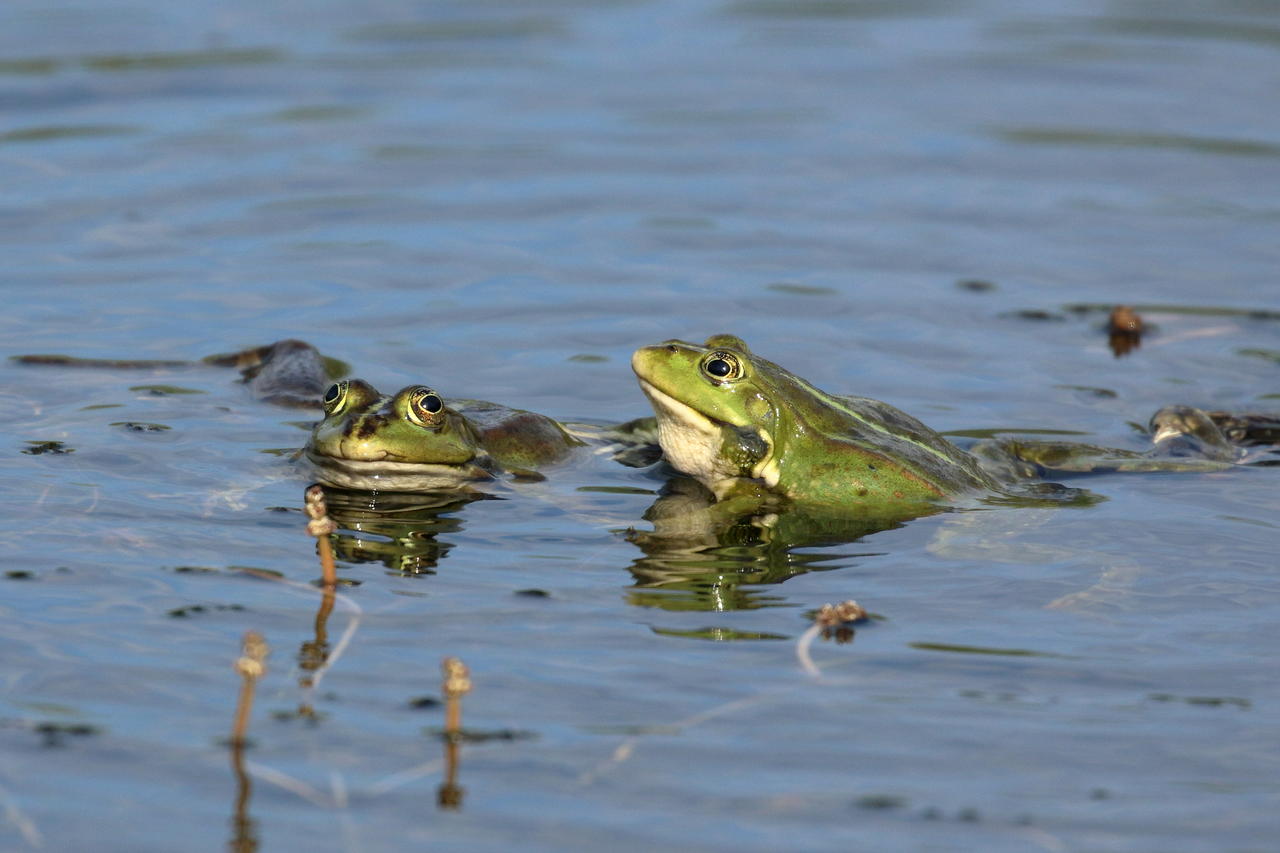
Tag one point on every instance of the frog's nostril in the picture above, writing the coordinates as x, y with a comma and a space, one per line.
672, 348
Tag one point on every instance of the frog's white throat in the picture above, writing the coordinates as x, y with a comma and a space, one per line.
692, 443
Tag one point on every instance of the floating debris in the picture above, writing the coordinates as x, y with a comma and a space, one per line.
164, 390
832, 615
1036, 315
981, 650
1204, 701
794, 289
829, 620
55, 734
140, 426
72, 361
39, 447
1125, 329
190, 610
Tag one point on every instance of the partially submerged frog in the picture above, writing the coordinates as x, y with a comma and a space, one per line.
416, 441
746, 428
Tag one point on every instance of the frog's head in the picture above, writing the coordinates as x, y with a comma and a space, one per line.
718, 406
407, 442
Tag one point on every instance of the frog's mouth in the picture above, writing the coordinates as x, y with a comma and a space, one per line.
389, 475
694, 443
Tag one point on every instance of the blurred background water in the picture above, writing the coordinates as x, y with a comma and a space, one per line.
503, 200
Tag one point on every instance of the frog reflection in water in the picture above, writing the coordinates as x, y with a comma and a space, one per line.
751, 431
406, 533
698, 557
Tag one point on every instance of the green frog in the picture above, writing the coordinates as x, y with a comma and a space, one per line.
749, 430
414, 440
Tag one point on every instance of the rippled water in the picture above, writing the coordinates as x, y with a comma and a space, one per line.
503, 200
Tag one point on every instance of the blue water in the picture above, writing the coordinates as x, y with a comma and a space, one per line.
503, 200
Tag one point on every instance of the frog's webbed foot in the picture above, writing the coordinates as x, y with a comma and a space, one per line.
633, 444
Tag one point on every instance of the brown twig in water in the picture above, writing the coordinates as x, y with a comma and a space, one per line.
251, 666
320, 526
457, 683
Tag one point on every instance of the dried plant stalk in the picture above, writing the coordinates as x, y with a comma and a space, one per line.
251, 665
321, 526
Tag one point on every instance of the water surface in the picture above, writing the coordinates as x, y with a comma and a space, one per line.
503, 201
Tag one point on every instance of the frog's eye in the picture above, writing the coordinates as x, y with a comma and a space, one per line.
722, 366
425, 406
337, 391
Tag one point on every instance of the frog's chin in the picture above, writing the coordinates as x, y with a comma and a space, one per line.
692, 442
388, 476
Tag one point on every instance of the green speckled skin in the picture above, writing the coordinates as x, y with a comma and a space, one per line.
373, 441
764, 427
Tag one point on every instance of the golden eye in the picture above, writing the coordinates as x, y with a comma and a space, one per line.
425, 407
722, 366
335, 395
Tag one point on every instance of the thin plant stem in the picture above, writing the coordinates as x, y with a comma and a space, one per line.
321, 526
251, 665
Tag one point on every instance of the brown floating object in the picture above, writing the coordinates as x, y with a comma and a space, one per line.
831, 615
1124, 329
835, 619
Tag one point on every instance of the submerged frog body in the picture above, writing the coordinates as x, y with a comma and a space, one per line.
415, 441
747, 428
288, 372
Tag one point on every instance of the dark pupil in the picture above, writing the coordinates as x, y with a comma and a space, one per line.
719, 367
331, 394
432, 403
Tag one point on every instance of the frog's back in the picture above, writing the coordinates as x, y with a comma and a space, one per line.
516, 438
872, 452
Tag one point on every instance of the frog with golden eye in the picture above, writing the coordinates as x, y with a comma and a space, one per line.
415, 440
